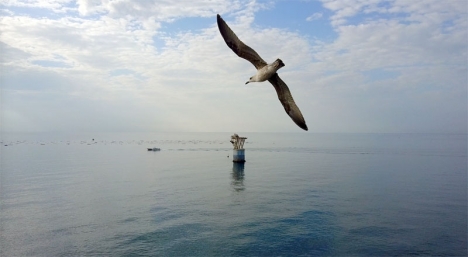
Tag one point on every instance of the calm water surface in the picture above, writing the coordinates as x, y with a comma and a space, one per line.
298, 194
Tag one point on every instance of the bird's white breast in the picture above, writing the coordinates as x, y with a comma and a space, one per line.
266, 72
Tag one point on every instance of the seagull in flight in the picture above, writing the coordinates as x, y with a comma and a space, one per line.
265, 71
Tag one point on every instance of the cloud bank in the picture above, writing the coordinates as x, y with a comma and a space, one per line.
386, 66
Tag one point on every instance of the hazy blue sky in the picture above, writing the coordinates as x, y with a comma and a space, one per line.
121, 65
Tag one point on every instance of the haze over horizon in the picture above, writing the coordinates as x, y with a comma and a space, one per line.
360, 66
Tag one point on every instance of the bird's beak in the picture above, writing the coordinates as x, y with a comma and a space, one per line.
247, 82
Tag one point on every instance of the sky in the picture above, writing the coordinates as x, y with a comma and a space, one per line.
355, 66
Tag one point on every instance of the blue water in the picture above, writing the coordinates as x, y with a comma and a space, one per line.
298, 194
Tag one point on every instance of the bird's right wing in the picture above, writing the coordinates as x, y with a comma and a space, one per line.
286, 99
241, 49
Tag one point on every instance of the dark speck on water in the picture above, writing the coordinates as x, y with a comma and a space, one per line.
303, 195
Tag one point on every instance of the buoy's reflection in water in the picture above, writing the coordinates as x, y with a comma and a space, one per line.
238, 176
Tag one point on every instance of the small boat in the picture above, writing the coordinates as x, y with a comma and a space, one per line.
154, 149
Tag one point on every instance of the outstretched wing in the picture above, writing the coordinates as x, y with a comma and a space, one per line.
241, 49
286, 99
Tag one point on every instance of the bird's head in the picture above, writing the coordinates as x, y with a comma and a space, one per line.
279, 63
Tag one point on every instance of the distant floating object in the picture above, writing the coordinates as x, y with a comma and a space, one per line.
154, 149
238, 153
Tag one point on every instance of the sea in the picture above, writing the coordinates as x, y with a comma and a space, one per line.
297, 194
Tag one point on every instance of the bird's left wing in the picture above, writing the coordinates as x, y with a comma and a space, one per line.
286, 99
242, 50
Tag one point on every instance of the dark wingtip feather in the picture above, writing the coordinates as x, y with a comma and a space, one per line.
218, 18
301, 124
298, 119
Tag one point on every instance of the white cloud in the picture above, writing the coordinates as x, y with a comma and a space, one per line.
108, 71
424, 42
186, 78
57, 6
89, 7
314, 16
159, 10
394, 43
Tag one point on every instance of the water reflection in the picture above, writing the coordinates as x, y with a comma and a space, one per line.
238, 176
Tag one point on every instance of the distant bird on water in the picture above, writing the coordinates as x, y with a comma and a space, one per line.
265, 71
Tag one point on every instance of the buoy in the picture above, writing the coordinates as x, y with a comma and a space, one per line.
238, 153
